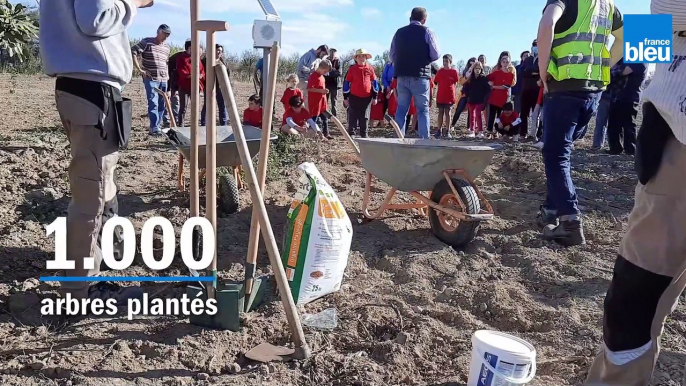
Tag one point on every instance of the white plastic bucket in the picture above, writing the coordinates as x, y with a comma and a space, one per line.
500, 359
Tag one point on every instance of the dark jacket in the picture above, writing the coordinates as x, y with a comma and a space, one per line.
173, 74
530, 74
333, 78
413, 52
477, 90
517, 88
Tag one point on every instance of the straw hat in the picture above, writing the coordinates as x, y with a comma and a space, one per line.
363, 52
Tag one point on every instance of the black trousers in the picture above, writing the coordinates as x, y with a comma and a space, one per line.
461, 106
621, 127
332, 98
323, 123
529, 101
493, 112
358, 113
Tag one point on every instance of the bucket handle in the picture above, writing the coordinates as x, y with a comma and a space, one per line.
529, 378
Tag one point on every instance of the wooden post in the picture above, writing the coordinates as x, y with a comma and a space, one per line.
268, 92
195, 108
301, 348
211, 150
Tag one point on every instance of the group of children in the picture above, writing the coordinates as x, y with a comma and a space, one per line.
367, 105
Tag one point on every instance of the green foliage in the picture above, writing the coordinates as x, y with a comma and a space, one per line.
18, 30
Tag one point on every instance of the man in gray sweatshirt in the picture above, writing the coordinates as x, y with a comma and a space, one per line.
84, 44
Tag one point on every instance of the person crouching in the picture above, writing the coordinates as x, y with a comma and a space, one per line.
298, 121
508, 123
359, 92
252, 116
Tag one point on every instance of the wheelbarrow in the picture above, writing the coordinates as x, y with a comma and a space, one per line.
443, 168
227, 158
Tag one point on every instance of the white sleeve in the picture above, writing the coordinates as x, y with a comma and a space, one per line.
517, 121
497, 120
290, 123
313, 124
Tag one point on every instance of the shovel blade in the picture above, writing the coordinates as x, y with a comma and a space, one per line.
266, 352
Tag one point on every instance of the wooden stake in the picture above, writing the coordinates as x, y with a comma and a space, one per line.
195, 108
301, 348
269, 92
211, 150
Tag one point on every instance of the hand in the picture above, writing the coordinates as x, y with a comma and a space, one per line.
146, 74
539, 83
327, 91
346, 103
507, 128
144, 3
374, 101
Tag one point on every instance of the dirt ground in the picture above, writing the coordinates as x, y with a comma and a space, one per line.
508, 279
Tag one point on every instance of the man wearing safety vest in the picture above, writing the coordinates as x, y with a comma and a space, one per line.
574, 63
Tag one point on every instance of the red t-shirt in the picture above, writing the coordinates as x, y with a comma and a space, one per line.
360, 78
299, 117
184, 70
500, 78
446, 79
316, 102
507, 120
377, 113
253, 117
288, 94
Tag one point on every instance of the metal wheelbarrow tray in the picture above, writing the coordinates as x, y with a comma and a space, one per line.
228, 159
444, 168
227, 151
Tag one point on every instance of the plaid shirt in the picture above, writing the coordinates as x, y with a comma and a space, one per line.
617, 82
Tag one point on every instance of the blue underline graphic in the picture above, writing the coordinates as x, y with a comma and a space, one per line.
128, 278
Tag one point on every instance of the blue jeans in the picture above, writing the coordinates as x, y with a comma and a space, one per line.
419, 89
156, 109
601, 119
223, 113
566, 116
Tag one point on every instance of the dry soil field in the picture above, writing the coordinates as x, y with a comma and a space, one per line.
508, 279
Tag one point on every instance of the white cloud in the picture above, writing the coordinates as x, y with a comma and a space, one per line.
370, 13
252, 6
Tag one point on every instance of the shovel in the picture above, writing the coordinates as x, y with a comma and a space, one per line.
265, 352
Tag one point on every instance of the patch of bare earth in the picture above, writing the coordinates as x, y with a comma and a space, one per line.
409, 303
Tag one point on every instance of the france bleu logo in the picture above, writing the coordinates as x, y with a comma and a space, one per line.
647, 38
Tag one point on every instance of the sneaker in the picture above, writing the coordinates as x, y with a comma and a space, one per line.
538, 145
122, 295
481, 135
155, 132
437, 134
546, 217
567, 233
449, 136
515, 138
471, 135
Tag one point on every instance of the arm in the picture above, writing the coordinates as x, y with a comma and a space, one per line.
346, 85
433, 45
104, 18
384, 77
317, 90
313, 125
305, 63
546, 31
391, 51
617, 49
375, 86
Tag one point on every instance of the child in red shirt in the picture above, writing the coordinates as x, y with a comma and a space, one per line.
377, 114
184, 70
446, 79
291, 91
501, 79
253, 114
359, 92
509, 123
316, 96
298, 121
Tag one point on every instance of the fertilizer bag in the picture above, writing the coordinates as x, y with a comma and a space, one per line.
317, 238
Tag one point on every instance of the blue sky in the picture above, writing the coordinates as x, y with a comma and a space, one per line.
463, 29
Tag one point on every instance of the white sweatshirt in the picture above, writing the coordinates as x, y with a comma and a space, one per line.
667, 89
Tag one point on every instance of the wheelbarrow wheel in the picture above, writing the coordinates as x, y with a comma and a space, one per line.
229, 199
448, 229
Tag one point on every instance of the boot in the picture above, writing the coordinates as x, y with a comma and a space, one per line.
568, 233
546, 217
